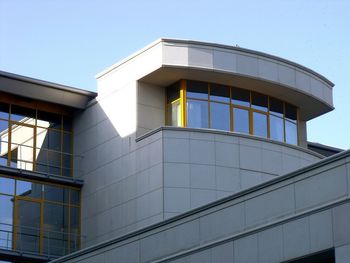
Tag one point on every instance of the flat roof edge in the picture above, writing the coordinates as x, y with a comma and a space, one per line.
48, 84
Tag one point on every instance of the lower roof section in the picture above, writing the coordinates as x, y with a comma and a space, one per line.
44, 91
283, 219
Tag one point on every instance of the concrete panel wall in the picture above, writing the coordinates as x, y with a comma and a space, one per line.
234, 231
201, 167
123, 179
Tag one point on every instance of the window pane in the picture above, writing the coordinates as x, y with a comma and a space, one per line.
67, 123
3, 153
54, 142
67, 142
7, 186
219, 93
173, 92
56, 194
276, 107
21, 114
240, 97
74, 229
28, 189
4, 125
55, 229
291, 112
175, 113
219, 116
291, 132
259, 101
4, 111
197, 114
49, 120
241, 120
260, 124
6, 221
28, 221
74, 197
276, 128
197, 89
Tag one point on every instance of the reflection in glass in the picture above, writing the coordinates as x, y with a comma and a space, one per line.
219, 93
6, 221
291, 132
240, 97
28, 189
197, 114
7, 186
173, 92
240, 120
276, 128
219, 116
28, 222
259, 101
291, 112
276, 107
4, 111
22, 114
55, 229
175, 113
3, 155
197, 90
49, 120
22, 138
260, 124
74, 229
56, 194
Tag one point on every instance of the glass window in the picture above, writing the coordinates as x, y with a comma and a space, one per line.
67, 142
276, 128
291, 112
28, 189
55, 229
174, 110
49, 120
276, 107
67, 123
260, 124
21, 114
4, 111
220, 116
28, 222
197, 90
54, 140
219, 93
6, 221
240, 97
259, 101
4, 125
7, 186
240, 120
173, 92
74, 229
74, 197
197, 114
56, 194
291, 132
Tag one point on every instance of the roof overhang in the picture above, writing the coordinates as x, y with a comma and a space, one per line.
44, 91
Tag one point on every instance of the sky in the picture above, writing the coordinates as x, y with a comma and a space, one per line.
70, 41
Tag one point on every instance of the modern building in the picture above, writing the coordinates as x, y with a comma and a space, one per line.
189, 152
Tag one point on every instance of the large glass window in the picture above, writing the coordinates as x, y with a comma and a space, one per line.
221, 107
39, 217
35, 140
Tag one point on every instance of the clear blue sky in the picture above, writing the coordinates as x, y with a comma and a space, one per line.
69, 41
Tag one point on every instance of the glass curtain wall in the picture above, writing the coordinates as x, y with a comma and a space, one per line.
35, 140
198, 104
39, 217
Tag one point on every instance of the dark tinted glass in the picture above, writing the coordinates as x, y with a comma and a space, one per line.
74, 197
49, 120
240, 97
259, 101
291, 112
18, 113
276, 107
219, 93
4, 111
67, 123
56, 194
173, 92
28, 189
197, 89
